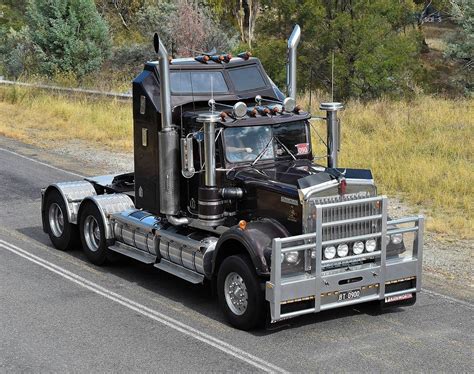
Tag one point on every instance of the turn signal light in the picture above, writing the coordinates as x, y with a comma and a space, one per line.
242, 224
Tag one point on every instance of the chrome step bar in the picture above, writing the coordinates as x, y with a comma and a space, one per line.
180, 271
129, 251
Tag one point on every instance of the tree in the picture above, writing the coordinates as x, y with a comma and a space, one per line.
67, 36
241, 13
374, 53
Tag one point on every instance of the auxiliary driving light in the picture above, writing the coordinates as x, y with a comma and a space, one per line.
289, 104
396, 238
292, 257
342, 250
370, 245
330, 252
358, 248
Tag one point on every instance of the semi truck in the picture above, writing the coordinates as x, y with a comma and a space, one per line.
226, 191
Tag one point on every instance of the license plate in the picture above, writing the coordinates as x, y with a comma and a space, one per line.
349, 295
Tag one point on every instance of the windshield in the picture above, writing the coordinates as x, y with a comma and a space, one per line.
245, 144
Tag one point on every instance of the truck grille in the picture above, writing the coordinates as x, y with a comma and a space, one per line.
340, 213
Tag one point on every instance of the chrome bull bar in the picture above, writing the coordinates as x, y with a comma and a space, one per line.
322, 287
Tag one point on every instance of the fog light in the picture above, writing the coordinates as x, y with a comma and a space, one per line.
397, 238
358, 248
329, 252
370, 245
342, 250
292, 257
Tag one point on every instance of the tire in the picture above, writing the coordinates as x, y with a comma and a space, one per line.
92, 233
236, 271
63, 234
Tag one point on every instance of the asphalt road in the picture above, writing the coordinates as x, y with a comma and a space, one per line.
60, 313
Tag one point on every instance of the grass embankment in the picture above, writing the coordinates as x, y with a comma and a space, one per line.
39, 118
421, 150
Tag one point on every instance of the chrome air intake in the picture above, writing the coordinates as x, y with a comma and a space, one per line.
168, 139
333, 132
211, 205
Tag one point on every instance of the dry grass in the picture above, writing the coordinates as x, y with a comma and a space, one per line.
420, 150
41, 119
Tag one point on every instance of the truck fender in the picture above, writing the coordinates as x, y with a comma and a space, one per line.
254, 240
73, 193
107, 205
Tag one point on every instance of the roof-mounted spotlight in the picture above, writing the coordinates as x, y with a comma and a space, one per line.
289, 104
227, 57
239, 109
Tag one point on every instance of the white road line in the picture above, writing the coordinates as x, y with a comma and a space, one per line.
150, 313
42, 163
452, 299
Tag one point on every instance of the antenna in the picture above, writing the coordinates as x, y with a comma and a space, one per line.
332, 77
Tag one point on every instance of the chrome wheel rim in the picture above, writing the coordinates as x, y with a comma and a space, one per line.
236, 294
92, 233
56, 220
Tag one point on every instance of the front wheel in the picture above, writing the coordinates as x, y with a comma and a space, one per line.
92, 232
240, 293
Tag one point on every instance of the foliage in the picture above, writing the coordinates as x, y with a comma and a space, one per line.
67, 36
16, 52
374, 43
461, 43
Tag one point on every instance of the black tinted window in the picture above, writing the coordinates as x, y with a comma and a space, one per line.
198, 82
248, 78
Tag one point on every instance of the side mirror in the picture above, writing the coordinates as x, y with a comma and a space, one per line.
156, 42
187, 158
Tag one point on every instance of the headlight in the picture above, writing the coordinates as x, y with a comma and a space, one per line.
329, 252
396, 238
292, 257
358, 248
342, 250
370, 245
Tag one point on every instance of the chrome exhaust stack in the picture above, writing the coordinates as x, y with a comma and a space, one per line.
293, 42
168, 140
333, 132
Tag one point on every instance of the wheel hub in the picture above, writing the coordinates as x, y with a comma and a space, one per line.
56, 220
236, 294
92, 233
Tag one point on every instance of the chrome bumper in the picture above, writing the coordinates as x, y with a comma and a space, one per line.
323, 288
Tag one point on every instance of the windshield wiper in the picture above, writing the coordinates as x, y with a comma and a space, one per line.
284, 147
262, 152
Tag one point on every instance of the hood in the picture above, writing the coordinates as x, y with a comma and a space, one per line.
288, 177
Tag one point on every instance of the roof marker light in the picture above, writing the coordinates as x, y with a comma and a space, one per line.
244, 55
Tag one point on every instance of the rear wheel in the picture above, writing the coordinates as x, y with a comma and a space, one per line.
240, 293
63, 234
92, 232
